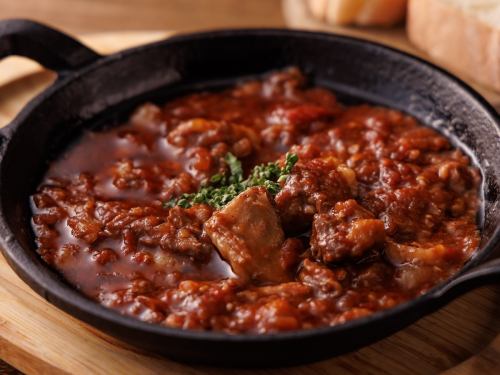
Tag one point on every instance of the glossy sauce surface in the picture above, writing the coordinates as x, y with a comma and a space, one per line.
377, 210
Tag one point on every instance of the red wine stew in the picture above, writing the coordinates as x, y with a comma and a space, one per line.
266, 207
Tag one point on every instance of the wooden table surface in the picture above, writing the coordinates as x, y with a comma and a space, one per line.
90, 16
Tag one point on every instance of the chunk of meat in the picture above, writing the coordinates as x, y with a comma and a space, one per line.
265, 315
147, 115
299, 116
248, 235
400, 253
290, 253
411, 277
151, 178
411, 213
269, 308
324, 281
83, 224
50, 216
199, 132
285, 84
183, 233
293, 291
195, 303
277, 315
374, 276
288, 123
346, 232
423, 139
175, 187
458, 177
180, 232
354, 313
313, 186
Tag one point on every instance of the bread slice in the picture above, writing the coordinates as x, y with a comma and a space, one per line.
463, 35
359, 12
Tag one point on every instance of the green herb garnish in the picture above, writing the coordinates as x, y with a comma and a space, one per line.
222, 188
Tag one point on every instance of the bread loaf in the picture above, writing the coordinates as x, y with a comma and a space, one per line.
359, 12
463, 35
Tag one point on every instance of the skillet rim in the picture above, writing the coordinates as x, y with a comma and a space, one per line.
49, 284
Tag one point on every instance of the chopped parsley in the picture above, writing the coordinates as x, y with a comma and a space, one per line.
222, 188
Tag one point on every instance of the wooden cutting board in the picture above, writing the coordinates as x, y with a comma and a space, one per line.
37, 338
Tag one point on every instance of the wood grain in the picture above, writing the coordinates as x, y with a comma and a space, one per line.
37, 338
21, 79
84, 16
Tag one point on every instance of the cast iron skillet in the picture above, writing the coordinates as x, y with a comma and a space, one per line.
89, 85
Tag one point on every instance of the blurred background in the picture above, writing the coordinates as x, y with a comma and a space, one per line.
84, 16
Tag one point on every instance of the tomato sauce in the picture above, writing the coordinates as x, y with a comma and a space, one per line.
377, 210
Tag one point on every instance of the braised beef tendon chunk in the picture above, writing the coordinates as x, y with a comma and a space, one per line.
348, 231
248, 234
313, 186
260, 208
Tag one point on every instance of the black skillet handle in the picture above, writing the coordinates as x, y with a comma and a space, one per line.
487, 273
50, 48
